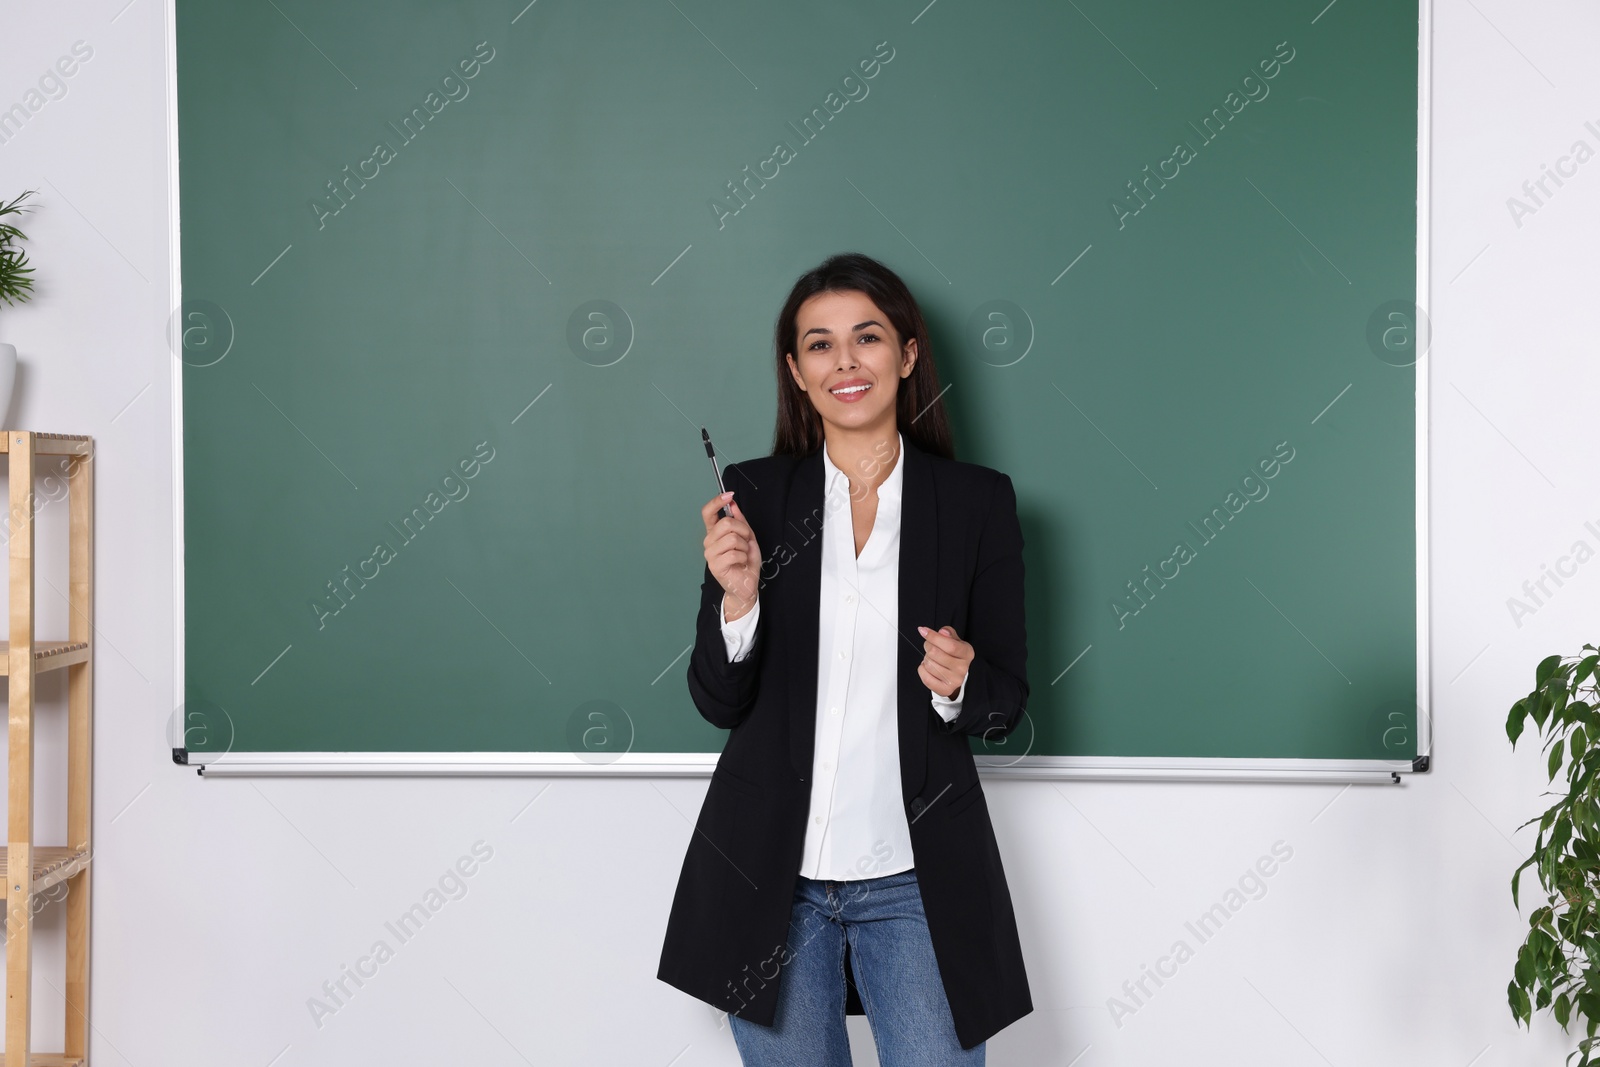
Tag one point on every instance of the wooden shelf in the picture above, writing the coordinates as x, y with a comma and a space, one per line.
48, 655
48, 865
51, 864
52, 444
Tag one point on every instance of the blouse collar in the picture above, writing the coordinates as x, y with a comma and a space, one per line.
835, 480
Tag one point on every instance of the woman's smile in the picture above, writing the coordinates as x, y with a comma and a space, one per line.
848, 355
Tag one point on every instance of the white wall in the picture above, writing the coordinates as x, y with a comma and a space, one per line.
221, 906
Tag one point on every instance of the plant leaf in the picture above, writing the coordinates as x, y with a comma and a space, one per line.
1519, 1002
1557, 966
1524, 969
1518, 874
1516, 721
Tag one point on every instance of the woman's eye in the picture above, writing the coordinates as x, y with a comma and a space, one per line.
868, 337
817, 344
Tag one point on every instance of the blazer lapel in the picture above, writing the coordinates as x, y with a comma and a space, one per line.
919, 557
802, 532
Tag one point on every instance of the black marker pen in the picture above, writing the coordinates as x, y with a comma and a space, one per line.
711, 454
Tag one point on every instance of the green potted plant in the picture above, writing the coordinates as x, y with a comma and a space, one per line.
16, 287
1558, 965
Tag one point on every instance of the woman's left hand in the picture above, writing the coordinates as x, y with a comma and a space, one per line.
945, 660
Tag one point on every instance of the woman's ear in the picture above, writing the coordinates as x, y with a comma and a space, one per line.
908, 358
794, 373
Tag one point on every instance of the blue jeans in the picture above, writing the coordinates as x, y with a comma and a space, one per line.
892, 965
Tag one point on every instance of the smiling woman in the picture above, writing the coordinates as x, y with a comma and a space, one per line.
872, 355
857, 332
851, 677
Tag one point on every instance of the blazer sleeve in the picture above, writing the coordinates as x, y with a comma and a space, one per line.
995, 695
722, 690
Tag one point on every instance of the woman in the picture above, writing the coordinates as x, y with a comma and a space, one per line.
861, 617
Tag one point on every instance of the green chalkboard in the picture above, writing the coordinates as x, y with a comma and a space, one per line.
461, 282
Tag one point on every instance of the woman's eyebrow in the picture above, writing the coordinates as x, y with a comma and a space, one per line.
857, 326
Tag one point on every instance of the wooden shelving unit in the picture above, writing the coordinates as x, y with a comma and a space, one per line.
31, 869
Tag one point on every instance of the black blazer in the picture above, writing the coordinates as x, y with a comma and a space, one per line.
961, 565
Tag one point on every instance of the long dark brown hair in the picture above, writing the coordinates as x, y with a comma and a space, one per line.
919, 410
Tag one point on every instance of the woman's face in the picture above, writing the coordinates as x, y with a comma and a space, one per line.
850, 360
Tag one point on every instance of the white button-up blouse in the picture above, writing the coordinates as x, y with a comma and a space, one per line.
857, 826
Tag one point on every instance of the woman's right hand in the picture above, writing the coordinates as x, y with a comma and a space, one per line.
732, 555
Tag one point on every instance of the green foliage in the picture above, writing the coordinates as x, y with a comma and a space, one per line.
1558, 965
15, 284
